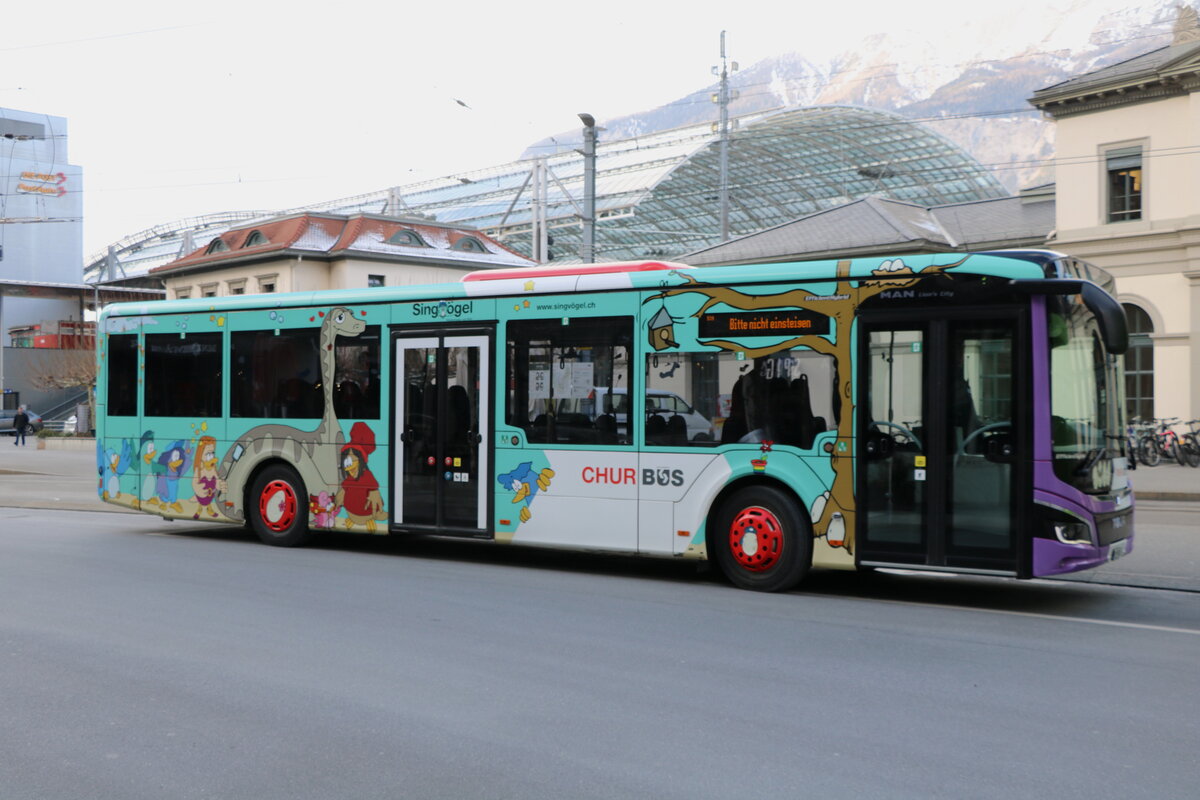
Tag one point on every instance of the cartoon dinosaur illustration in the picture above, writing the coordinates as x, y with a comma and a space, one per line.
525, 483
314, 454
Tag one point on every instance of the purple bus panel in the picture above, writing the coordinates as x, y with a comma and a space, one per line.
1109, 517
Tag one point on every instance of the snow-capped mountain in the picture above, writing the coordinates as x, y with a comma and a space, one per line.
972, 88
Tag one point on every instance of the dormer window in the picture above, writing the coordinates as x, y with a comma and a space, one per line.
256, 239
406, 238
217, 245
469, 244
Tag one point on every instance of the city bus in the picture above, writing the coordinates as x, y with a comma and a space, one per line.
939, 412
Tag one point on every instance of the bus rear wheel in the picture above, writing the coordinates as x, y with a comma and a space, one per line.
278, 507
760, 540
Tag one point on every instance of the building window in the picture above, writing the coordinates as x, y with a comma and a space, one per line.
256, 239
208, 290
216, 246
236, 286
183, 294
406, 238
469, 244
374, 281
1123, 169
266, 283
1139, 364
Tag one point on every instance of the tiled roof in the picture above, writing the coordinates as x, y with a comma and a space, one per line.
1138, 72
349, 235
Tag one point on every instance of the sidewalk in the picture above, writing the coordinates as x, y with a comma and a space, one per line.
67, 479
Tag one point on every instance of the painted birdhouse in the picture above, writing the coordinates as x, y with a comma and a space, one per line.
662, 331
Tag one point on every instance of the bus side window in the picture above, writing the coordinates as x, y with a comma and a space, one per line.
556, 372
787, 397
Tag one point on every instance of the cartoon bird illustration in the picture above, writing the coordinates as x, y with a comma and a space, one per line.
525, 483
359, 492
147, 495
113, 466
168, 469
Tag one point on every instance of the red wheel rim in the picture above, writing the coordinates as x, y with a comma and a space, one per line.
756, 539
277, 506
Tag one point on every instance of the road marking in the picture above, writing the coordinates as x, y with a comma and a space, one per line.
1055, 617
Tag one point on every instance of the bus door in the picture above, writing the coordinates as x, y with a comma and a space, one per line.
441, 432
943, 448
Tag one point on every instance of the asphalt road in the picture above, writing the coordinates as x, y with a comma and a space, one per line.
145, 659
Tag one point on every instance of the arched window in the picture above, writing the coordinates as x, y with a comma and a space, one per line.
469, 244
1139, 364
256, 238
217, 245
406, 238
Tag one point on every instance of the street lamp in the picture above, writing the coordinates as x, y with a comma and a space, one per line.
588, 252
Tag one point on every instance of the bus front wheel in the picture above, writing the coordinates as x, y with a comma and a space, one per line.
760, 540
278, 507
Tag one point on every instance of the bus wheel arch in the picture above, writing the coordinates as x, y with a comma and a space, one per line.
760, 535
276, 504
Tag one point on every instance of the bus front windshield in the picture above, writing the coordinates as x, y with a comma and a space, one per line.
1086, 412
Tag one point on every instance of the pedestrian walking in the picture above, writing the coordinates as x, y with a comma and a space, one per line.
20, 423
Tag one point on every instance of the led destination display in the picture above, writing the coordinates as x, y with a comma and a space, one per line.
764, 323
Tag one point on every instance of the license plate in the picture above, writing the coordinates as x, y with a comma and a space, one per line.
1118, 549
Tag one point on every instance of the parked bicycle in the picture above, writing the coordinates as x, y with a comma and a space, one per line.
1189, 444
1162, 443
1146, 443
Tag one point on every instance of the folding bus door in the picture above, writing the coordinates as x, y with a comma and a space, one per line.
441, 432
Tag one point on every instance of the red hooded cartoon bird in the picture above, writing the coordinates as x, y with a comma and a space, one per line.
359, 492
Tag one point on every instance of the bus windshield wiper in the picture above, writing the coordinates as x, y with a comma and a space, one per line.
1090, 460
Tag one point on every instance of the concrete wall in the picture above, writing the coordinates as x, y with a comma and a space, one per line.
22, 365
38, 184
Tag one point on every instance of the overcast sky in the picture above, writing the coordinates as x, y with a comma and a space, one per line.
178, 110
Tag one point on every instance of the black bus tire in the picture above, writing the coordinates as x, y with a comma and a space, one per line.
761, 540
277, 507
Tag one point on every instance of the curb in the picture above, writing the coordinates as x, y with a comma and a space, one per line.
1170, 496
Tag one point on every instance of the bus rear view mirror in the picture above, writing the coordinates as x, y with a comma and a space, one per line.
1110, 317
1114, 328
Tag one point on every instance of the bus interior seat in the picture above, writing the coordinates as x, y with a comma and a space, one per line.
539, 429
676, 430
574, 428
606, 429
656, 430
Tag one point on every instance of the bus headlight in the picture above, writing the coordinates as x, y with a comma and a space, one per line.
1073, 532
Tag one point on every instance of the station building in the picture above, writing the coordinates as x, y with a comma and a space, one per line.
1127, 168
657, 195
